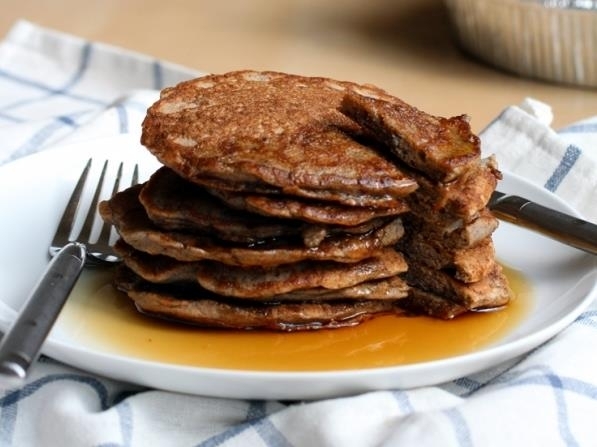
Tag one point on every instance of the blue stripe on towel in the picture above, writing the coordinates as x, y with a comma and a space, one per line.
68, 121
404, 403
264, 426
469, 384
123, 118
43, 134
224, 436
580, 128
50, 91
461, 429
9, 402
588, 318
158, 75
560, 385
563, 416
125, 416
75, 78
256, 418
542, 377
557, 386
566, 163
135, 105
10, 118
82, 68
37, 139
8, 417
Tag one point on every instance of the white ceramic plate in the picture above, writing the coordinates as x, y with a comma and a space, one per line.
34, 190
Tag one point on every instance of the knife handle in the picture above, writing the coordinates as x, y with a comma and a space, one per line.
22, 342
560, 226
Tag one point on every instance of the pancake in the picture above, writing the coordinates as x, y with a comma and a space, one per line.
173, 203
491, 291
126, 213
441, 148
421, 302
262, 283
288, 207
452, 232
463, 197
361, 200
469, 264
392, 288
270, 132
296, 203
190, 304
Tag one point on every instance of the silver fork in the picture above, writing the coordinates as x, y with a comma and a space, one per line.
70, 250
100, 251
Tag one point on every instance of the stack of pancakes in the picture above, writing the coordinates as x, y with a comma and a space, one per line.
290, 203
447, 243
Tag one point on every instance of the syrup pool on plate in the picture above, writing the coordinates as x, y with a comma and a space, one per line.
101, 318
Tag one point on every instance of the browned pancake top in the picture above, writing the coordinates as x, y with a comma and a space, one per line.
252, 131
441, 148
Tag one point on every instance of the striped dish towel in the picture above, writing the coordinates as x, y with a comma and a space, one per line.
57, 88
564, 163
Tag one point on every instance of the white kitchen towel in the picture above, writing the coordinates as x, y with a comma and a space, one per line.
55, 87
564, 163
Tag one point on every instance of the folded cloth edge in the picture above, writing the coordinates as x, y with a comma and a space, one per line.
525, 145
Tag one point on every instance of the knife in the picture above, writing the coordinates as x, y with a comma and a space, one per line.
560, 226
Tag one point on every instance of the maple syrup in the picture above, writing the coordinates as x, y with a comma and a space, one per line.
101, 318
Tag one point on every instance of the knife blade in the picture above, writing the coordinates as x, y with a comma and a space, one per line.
557, 225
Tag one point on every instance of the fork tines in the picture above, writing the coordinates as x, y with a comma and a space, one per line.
99, 249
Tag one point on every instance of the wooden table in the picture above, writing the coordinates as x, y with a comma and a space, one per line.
403, 46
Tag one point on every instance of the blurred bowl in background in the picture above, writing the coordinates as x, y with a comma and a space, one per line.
554, 40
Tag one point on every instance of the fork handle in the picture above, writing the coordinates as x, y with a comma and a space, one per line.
22, 342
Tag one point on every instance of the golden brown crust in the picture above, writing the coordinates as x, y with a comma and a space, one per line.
127, 214
441, 148
173, 203
163, 270
262, 283
313, 211
463, 197
468, 264
309, 175
251, 130
427, 303
193, 305
491, 291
